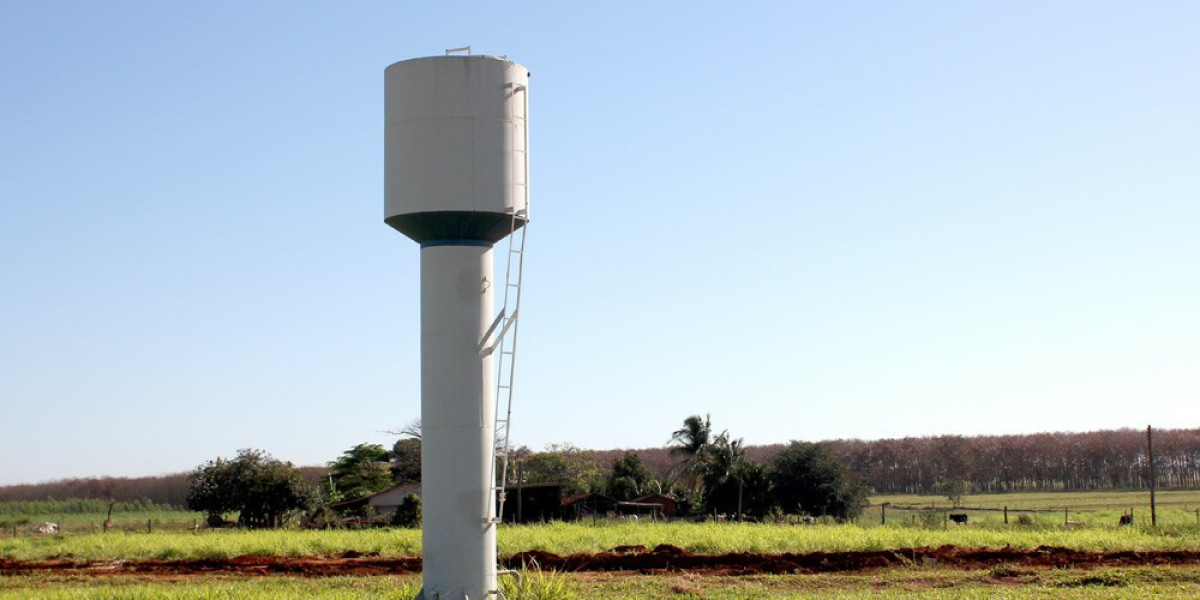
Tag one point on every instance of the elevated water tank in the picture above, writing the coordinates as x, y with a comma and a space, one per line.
454, 155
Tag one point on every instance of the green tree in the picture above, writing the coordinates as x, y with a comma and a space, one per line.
408, 514
629, 478
264, 491
724, 475
749, 488
361, 471
954, 490
563, 464
690, 446
406, 460
807, 478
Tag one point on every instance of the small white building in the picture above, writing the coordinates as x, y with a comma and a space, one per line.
383, 504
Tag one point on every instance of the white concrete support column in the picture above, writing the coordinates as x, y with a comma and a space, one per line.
457, 421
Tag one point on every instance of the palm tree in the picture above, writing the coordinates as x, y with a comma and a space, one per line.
691, 445
725, 463
693, 437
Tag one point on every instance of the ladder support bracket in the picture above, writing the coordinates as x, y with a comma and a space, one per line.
484, 348
508, 323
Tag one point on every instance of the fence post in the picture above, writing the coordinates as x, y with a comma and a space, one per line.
1150, 452
1006, 514
883, 514
149, 526
1066, 516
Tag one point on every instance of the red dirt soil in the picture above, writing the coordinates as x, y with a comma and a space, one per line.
662, 559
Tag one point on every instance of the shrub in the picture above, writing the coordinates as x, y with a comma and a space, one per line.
932, 519
408, 514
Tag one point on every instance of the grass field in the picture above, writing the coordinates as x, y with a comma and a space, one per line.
1186, 500
88, 515
912, 523
262, 588
1175, 510
915, 583
133, 521
564, 538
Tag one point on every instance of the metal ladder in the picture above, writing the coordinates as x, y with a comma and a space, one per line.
506, 340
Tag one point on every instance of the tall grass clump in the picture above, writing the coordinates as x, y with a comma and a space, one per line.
532, 583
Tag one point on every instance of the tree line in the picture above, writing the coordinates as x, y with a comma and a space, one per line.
709, 471
1091, 461
706, 473
1099, 460
711, 474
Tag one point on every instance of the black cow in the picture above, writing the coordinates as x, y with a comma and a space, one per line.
960, 518
1126, 520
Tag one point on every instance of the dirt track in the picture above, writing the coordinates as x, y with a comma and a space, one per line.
662, 559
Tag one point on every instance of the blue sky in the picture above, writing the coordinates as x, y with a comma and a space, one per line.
811, 220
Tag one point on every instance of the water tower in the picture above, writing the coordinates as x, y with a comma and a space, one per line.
456, 181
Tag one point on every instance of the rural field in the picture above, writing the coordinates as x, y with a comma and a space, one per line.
917, 554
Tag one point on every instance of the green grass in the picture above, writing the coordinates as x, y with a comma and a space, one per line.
1187, 500
915, 583
532, 585
83, 515
211, 544
896, 584
565, 538
176, 520
234, 588
709, 538
1176, 510
1095, 512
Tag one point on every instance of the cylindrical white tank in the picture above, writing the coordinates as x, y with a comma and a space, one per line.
457, 422
454, 147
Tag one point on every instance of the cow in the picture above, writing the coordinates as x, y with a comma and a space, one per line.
47, 527
960, 518
1126, 520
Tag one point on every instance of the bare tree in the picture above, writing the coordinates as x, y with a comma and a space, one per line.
411, 430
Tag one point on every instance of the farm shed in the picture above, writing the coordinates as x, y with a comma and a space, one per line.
640, 509
588, 506
669, 508
533, 503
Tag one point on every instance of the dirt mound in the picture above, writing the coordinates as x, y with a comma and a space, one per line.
662, 559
